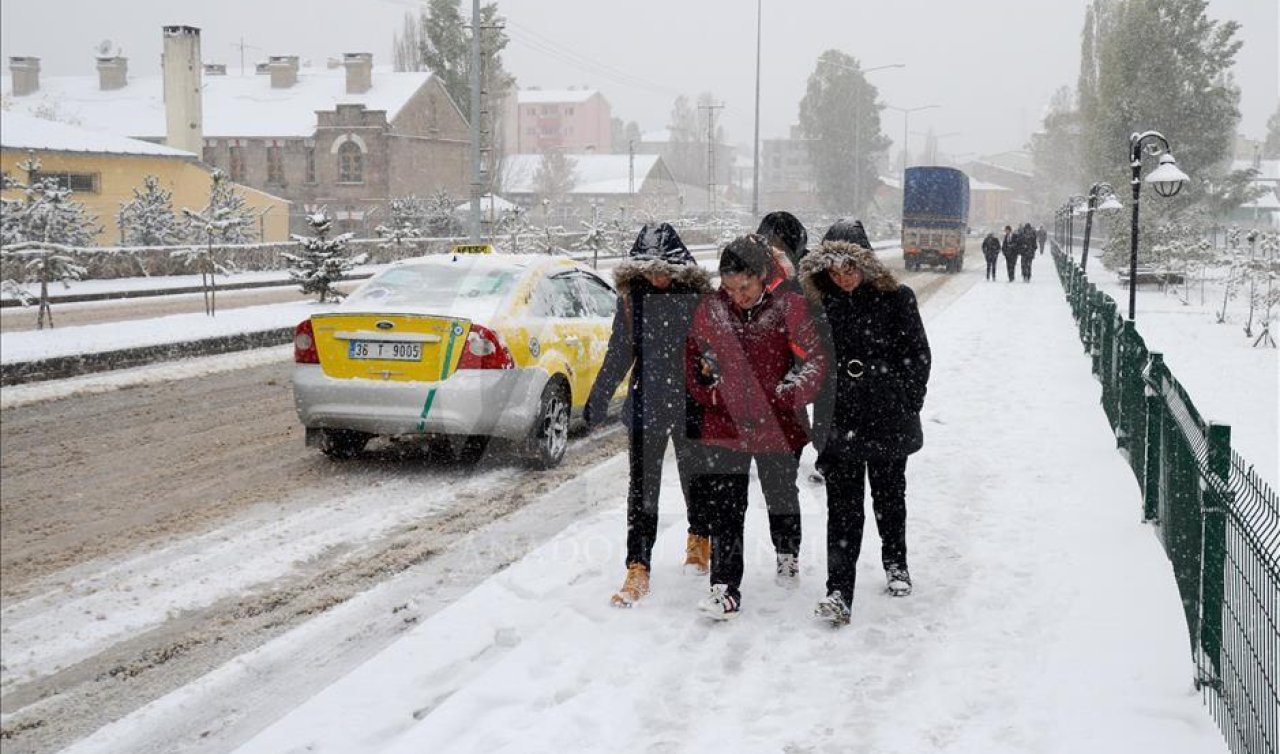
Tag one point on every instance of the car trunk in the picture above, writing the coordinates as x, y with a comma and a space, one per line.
389, 347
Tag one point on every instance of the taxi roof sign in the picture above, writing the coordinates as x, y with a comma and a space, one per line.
473, 248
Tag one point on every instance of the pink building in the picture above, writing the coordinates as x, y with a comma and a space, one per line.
576, 121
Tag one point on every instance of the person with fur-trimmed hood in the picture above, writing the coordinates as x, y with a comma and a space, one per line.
788, 241
868, 422
659, 286
754, 359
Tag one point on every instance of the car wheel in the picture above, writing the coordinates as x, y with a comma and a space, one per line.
343, 444
550, 434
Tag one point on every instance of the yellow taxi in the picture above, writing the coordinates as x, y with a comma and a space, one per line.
467, 346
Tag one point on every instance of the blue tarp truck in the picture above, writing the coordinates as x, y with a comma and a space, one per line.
935, 217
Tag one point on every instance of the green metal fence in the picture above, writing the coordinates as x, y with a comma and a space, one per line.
1218, 521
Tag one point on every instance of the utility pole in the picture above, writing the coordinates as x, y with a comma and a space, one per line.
476, 184
711, 108
755, 150
631, 169
242, 47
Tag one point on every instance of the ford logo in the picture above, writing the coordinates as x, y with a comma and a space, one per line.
383, 324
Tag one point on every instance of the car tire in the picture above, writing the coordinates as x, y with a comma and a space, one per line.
343, 444
550, 433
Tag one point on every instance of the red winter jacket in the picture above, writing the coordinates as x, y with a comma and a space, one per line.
768, 362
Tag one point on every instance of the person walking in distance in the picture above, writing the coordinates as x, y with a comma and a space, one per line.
1009, 246
753, 361
880, 362
1028, 249
659, 285
1042, 237
991, 252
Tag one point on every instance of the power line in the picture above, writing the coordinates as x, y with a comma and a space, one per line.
554, 49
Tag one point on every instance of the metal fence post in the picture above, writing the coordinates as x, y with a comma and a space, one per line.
1153, 472
1217, 497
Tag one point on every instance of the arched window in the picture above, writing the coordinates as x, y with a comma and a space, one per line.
350, 163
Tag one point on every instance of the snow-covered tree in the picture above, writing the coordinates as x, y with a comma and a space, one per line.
323, 260
204, 256
43, 263
406, 221
440, 220
227, 215
148, 219
840, 117
598, 237
554, 178
46, 212
515, 225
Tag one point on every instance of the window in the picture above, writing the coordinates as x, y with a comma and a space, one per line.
559, 297
236, 168
81, 183
310, 174
275, 165
601, 300
350, 163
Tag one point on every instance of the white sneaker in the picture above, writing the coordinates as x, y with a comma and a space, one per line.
719, 604
788, 576
833, 609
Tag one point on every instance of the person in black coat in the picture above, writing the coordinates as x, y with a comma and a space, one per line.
1011, 245
1042, 237
868, 421
1028, 249
991, 252
659, 286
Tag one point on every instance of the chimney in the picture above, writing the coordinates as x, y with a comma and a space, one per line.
284, 70
261, 69
184, 117
215, 69
26, 75
113, 73
359, 67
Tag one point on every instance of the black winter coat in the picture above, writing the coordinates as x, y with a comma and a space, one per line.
990, 246
875, 416
649, 331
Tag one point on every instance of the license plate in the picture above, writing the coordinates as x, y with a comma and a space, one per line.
384, 350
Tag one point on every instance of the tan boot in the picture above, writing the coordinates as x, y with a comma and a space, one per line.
697, 553
635, 587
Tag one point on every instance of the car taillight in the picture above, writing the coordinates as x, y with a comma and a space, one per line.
485, 350
304, 344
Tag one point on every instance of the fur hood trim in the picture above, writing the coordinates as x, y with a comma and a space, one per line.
692, 275
835, 254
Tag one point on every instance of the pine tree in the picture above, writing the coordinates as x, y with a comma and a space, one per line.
226, 219
406, 220
323, 261
148, 218
840, 117
440, 220
1271, 147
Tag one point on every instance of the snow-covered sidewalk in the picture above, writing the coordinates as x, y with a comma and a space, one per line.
1045, 616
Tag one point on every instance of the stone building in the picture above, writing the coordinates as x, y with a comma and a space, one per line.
348, 136
574, 121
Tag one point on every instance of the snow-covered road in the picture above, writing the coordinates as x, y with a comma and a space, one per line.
1045, 618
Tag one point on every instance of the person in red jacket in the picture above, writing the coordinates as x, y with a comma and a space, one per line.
753, 361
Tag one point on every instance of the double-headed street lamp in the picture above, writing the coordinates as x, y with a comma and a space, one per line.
1167, 181
906, 128
1109, 201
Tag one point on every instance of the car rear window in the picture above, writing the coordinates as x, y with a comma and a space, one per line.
434, 284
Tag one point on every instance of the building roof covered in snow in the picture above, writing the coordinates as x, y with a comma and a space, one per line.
548, 96
1268, 170
19, 130
593, 173
233, 106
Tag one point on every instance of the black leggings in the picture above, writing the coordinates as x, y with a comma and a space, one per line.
991, 266
1011, 260
845, 517
647, 450
722, 483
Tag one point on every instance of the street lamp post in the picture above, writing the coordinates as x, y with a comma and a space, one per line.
1101, 188
857, 139
1069, 213
755, 154
1167, 181
906, 128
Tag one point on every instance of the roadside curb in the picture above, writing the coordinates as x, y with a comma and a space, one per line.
61, 367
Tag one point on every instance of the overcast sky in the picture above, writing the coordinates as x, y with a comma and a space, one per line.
990, 65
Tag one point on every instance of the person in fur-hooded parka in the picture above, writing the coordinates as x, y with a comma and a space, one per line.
868, 420
659, 286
